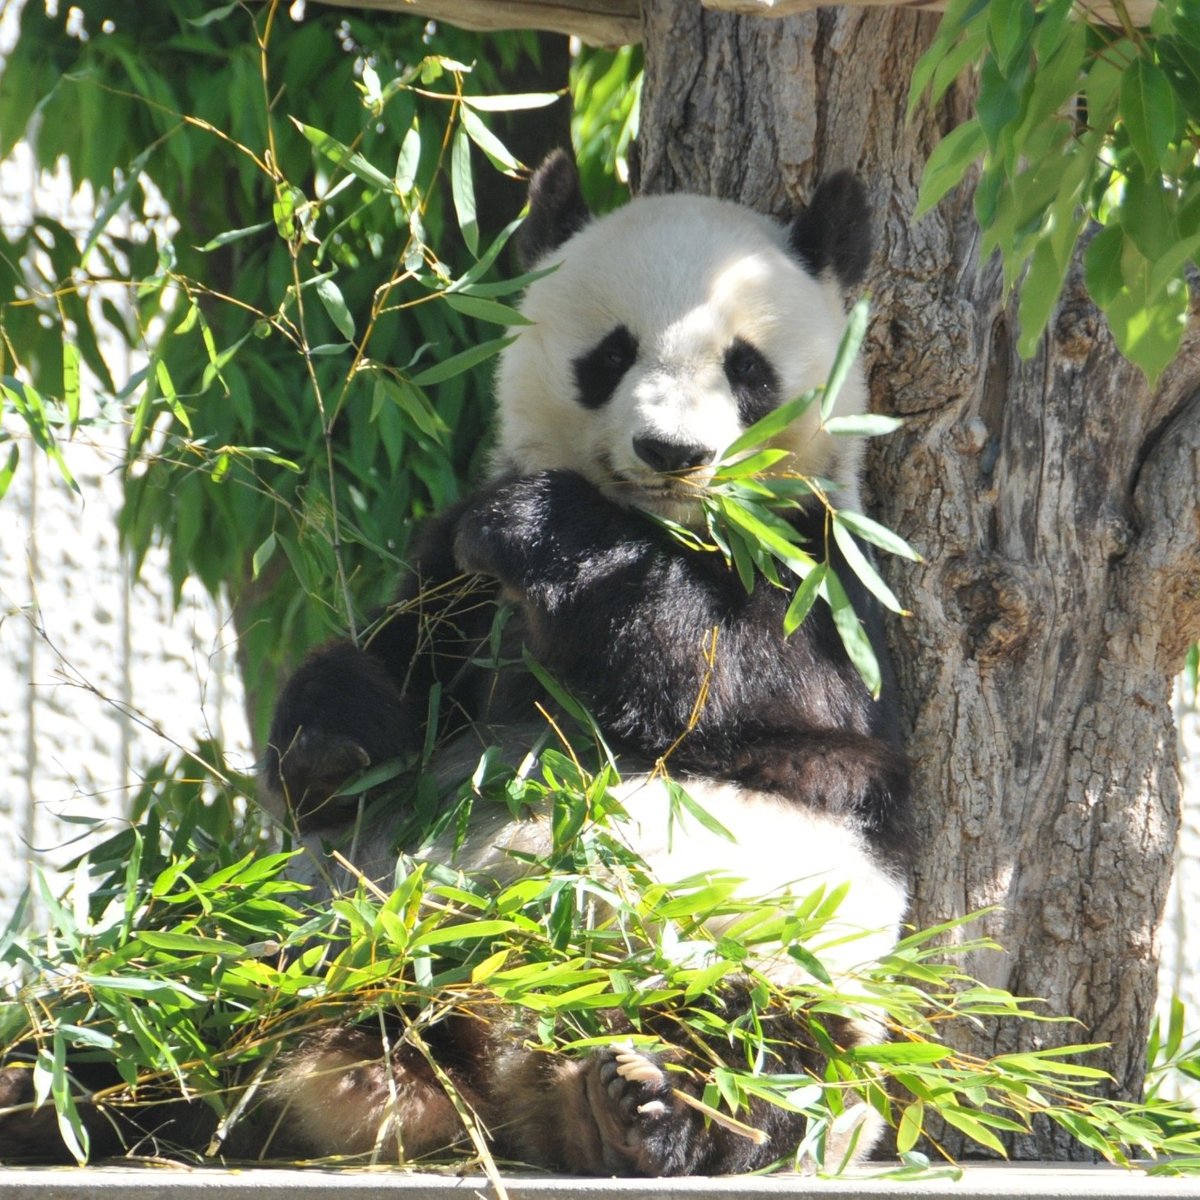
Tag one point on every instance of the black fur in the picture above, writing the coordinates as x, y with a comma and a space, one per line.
557, 208
621, 614
833, 232
753, 380
598, 372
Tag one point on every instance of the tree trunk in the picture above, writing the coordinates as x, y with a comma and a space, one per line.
1054, 500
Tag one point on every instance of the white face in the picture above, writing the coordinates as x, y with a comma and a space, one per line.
670, 326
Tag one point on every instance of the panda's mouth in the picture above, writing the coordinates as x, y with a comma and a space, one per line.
677, 499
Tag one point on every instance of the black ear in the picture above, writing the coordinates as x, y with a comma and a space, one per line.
834, 231
556, 208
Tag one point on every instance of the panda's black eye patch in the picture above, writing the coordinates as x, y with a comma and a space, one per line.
598, 372
752, 379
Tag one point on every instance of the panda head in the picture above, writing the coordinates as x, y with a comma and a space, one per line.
667, 328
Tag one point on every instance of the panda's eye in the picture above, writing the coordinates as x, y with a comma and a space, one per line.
598, 372
742, 362
752, 379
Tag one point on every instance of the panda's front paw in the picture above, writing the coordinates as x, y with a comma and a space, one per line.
517, 529
340, 712
644, 1129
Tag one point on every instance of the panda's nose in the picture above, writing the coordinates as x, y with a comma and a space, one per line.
665, 455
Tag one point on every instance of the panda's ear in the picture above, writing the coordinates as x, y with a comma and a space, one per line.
834, 232
556, 208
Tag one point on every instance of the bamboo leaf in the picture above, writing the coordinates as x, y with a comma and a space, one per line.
878, 535
9, 469
116, 201
863, 425
512, 103
771, 425
462, 189
71, 384
803, 600
498, 154
847, 354
335, 305
853, 635
456, 364
485, 310
912, 1121
342, 156
863, 568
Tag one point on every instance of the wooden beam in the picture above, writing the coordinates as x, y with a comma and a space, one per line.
597, 22
1139, 11
619, 22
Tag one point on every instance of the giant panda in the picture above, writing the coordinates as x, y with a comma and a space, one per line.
657, 334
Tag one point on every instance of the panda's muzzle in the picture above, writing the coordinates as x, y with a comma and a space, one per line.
667, 456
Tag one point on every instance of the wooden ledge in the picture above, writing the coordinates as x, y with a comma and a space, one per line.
989, 1181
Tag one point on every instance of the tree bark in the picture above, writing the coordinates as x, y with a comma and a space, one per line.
1054, 500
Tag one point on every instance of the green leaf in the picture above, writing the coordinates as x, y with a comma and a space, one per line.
167, 386
948, 163
342, 156
117, 200
1102, 265
485, 310
1010, 23
863, 568
412, 403
498, 154
877, 535
188, 943
680, 795
772, 539
863, 425
463, 931
408, 162
803, 600
847, 354
1148, 326
9, 469
774, 423
999, 103
262, 555
335, 305
899, 1053
511, 103
1040, 290
1181, 65
462, 189
70, 353
970, 1124
70, 1125
233, 235
456, 364
854, 636
912, 1121
1148, 112
215, 14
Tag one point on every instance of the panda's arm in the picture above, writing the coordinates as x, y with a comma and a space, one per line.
620, 612
347, 706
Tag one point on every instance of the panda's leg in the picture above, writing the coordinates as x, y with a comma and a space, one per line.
347, 1094
30, 1132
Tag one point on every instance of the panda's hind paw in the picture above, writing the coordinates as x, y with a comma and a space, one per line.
642, 1125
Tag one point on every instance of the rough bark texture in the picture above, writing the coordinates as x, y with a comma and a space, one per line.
1055, 501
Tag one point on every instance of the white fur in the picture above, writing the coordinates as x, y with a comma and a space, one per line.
780, 848
686, 275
